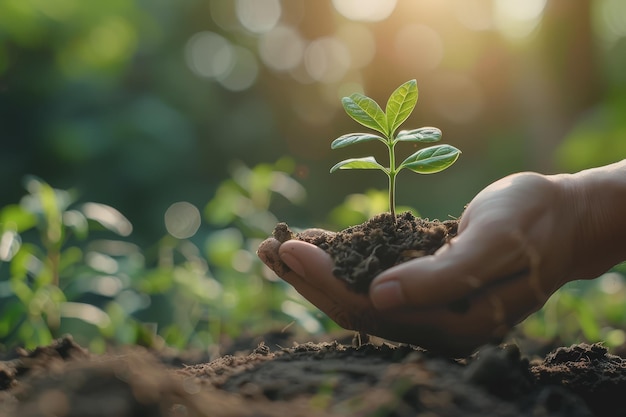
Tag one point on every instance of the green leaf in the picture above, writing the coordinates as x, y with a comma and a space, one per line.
108, 217
431, 160
15, 216
423, 135
365, 111
352, 138
368, 162
400, 105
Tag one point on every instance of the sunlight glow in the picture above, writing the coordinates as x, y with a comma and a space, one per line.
474, 14
518, 19
425, 44
365, 10
360, 41
258, 16
459, 98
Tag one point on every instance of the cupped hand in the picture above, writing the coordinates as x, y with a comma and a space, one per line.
514, 248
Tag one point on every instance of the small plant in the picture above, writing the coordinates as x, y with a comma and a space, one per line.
399, 106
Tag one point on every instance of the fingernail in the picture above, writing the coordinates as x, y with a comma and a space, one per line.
293, 263
387, 295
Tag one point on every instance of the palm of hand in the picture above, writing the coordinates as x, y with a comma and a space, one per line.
503, 265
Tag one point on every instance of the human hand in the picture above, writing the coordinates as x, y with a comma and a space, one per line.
309, 270
517, 244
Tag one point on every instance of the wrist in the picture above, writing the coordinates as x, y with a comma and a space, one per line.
597, 200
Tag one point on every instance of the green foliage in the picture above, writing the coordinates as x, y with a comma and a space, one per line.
242, 212
41, 262
68, 267
591, 311
399, 107
597, 139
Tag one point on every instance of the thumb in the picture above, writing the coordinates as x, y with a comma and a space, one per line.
469, 262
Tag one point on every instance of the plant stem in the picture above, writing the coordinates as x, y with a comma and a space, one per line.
392, 179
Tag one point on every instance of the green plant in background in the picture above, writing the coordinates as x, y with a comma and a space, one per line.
399, 107
42, 262
589, 311
71, 267
242, 214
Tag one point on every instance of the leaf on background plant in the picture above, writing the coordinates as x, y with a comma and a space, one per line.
85, 312
423, 135
365, 111
26, 261
77, 222
431, 160
10, 242
16, 216
400, 105
352, 138
109, 217
368, 162
70, 257
13, 313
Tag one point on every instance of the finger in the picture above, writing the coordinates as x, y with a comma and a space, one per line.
489, 317
468, 262
312, 277
315, 266
268, 253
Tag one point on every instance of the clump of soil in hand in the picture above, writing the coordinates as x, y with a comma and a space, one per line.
362, 252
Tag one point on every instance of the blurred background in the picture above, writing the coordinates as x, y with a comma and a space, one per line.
148, 146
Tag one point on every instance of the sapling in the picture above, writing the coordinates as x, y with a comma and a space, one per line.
399, 106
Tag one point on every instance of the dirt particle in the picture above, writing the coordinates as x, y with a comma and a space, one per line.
363, 251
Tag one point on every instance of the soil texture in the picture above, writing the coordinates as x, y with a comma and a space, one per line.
312, 379
362, 252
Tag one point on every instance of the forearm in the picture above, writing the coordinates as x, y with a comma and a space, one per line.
599, 204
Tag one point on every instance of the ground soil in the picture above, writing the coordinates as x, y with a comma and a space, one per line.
280, 377
361, 252
312, 379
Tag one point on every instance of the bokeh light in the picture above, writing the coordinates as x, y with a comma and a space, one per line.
327, 59
282, 48
244, 71
518, 19
209, 55
182, 220
258, 16
610, 20
474, 14
365, 10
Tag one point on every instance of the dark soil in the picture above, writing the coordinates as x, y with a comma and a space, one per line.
364, 251
313, 379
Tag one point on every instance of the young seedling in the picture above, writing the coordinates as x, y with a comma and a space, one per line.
399, 106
